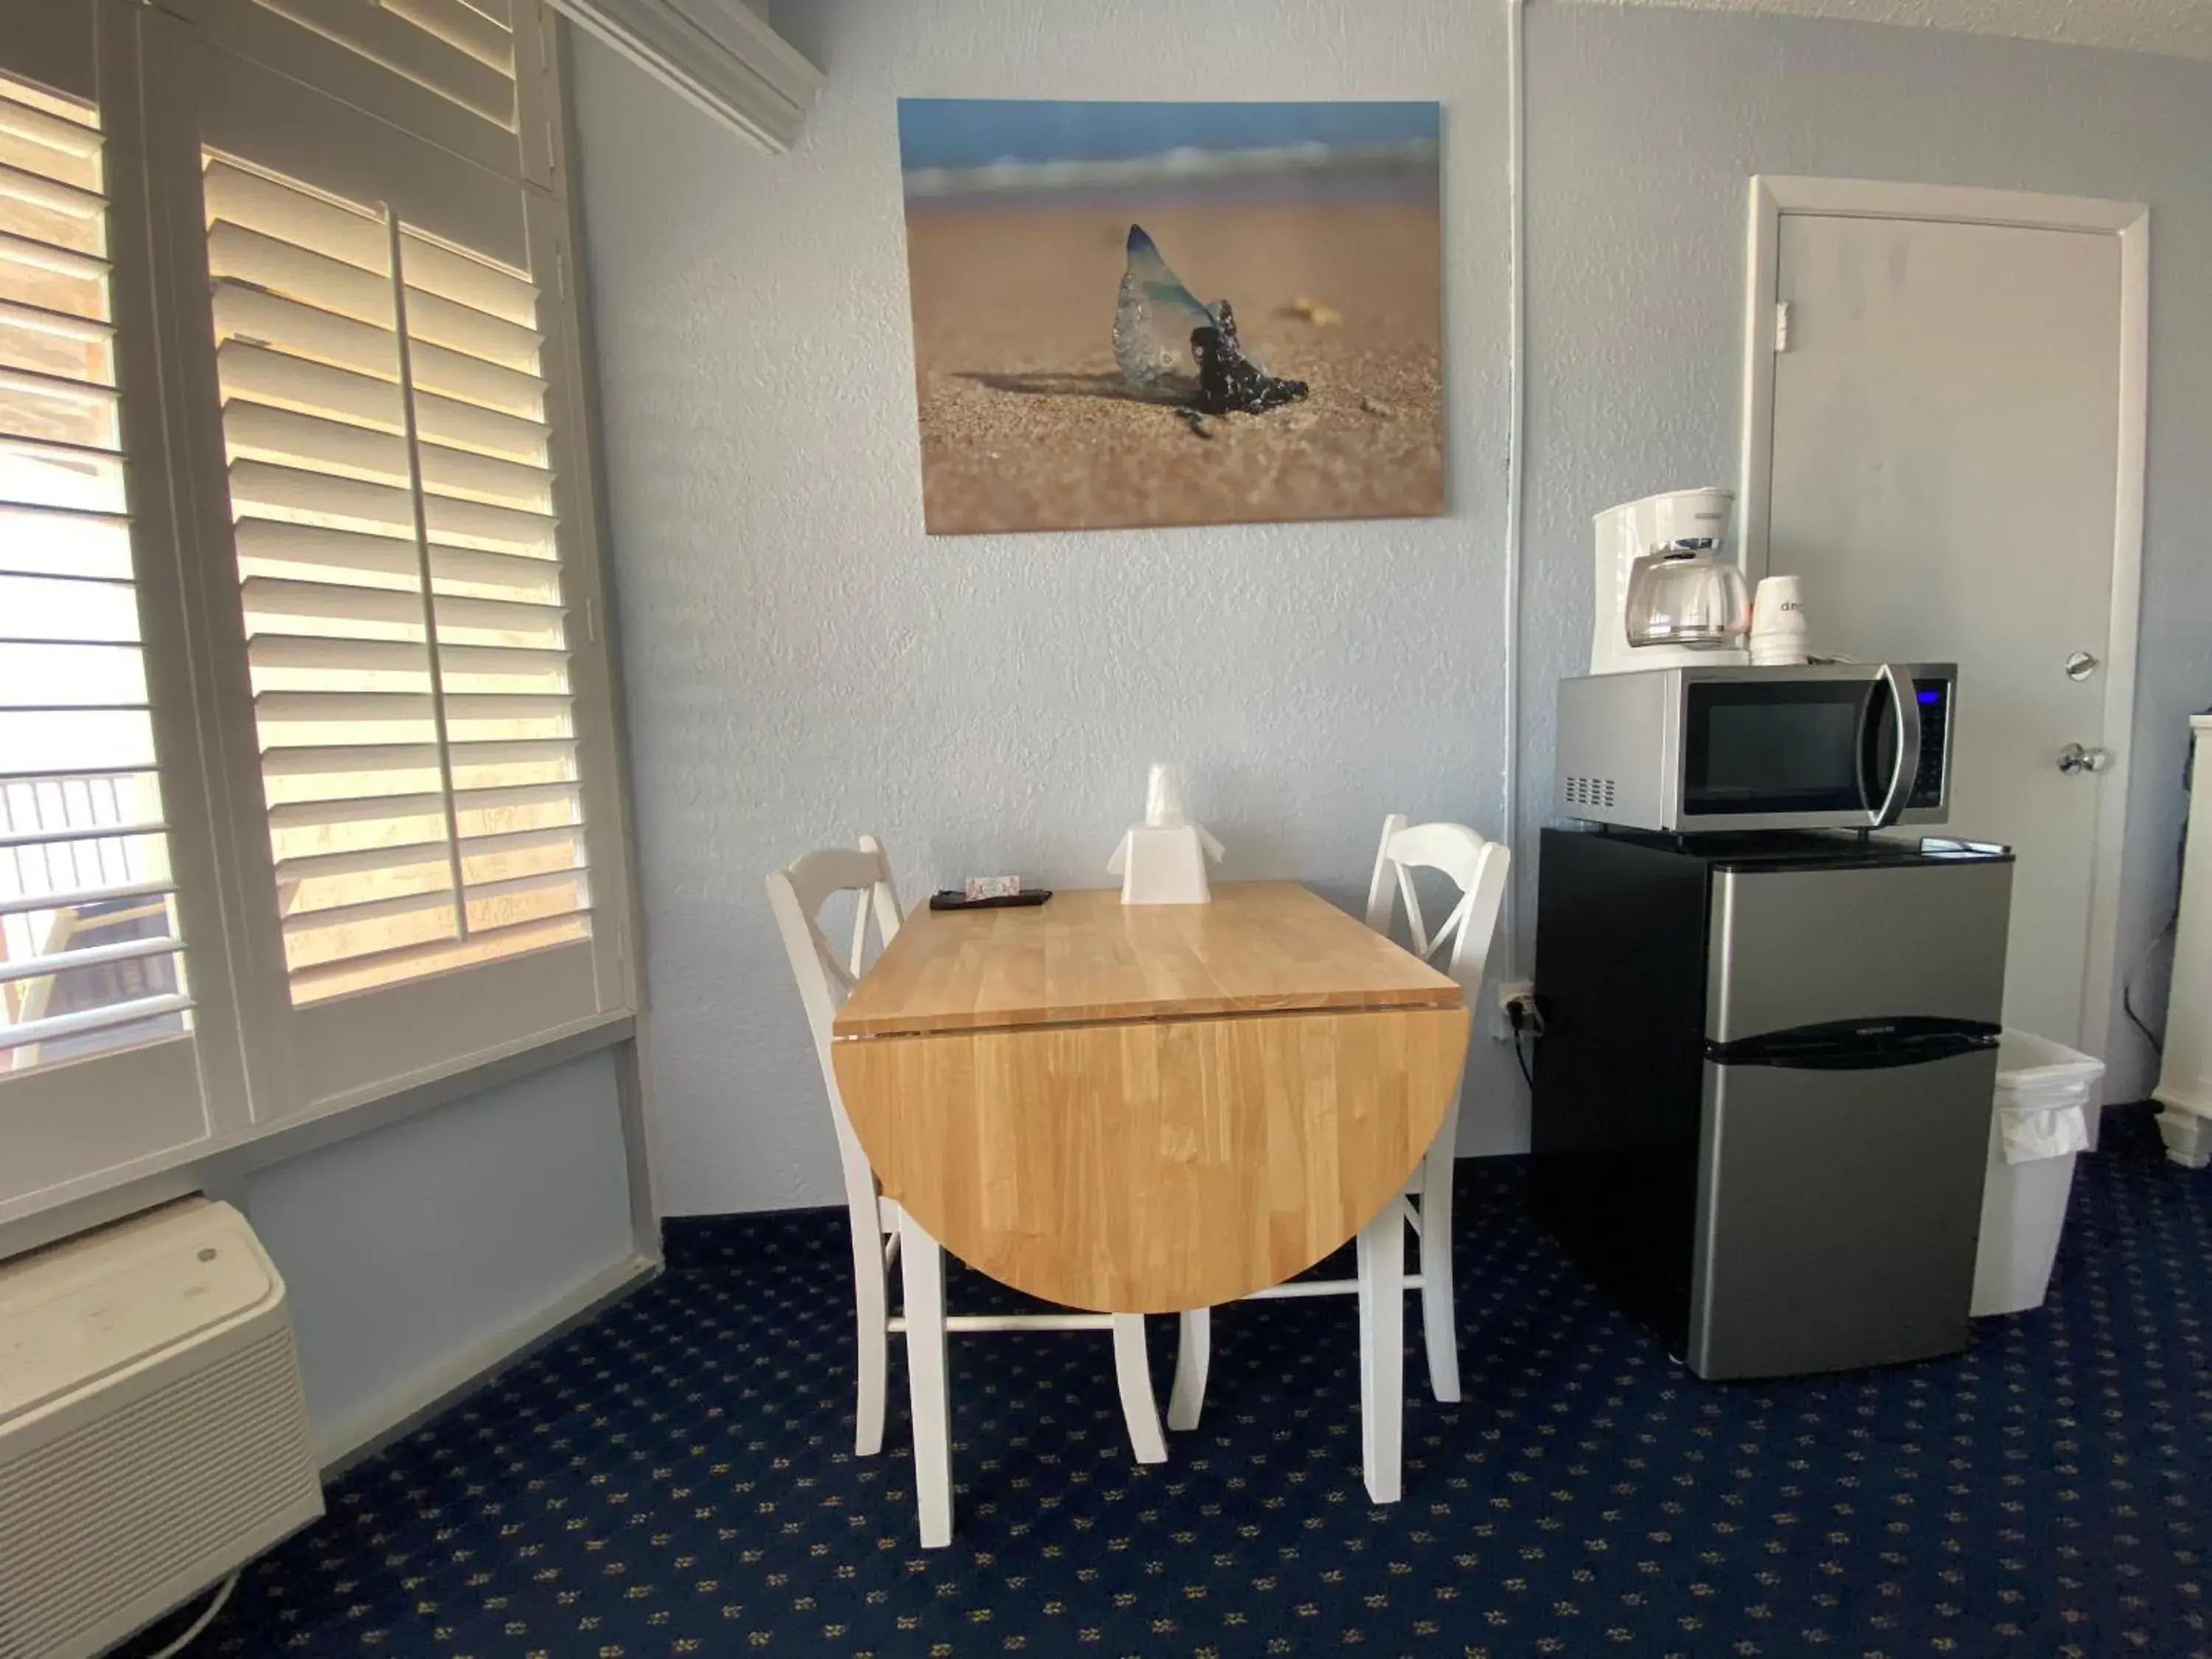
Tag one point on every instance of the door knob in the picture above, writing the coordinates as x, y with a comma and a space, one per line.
2080, 665
2074, 758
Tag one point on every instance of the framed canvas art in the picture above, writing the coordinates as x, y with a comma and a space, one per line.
1165, 314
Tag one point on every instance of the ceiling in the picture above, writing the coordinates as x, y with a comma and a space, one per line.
2178, 28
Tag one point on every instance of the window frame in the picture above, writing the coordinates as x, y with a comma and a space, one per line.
266, 1067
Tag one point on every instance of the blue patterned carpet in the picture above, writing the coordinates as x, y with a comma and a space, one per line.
677, 1478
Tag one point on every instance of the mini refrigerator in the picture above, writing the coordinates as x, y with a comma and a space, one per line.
1764, 1088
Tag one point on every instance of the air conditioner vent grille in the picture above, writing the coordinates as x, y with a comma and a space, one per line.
177, 1486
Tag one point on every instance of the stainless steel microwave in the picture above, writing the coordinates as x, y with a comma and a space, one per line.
1856, 746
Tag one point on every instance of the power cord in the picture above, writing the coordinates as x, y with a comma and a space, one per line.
193, 1630
2128, 990
1522, 1017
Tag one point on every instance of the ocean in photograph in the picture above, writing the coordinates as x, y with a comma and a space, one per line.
1164, 313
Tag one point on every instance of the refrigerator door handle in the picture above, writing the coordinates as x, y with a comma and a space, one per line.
1857, 1045
1904, 708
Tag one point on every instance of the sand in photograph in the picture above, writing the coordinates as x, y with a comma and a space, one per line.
1026, 424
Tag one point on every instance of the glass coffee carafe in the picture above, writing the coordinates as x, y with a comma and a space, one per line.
1682, 595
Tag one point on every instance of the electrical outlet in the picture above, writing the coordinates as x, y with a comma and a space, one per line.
1510, 991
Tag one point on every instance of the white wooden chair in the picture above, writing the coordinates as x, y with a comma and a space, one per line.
882, 1233
1477, 868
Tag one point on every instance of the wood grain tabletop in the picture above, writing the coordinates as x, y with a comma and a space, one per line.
1084, 956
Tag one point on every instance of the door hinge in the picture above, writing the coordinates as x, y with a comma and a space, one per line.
1781, 324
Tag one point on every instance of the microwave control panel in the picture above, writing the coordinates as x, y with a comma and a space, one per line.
1935, 698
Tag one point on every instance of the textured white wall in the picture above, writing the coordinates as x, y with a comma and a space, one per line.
803, 664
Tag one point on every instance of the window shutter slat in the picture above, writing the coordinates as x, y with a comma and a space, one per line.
323, 708
399, 574
273, 377
462, 25
464, 705
30, 254
311, 815
406, 855
433, 268
378, 909
320, 279
407, 962
80, 898
288, 214
361, 758
278, 595
387, 35
92, 956
66, 837
53, 195
251, 314
329, 280
320, 654
55, 133
106, 1018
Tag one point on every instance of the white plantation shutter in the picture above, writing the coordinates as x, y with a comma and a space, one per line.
91, 956
308, 788
399, 556
112, 955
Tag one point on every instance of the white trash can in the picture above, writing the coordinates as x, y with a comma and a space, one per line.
2047, 1096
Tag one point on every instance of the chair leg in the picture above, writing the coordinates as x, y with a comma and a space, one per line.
921, 1271
872, 1335
1381, 1253
1133, 1370
1193, 1350
1439, 1320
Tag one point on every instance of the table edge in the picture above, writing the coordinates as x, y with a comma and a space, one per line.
957, 1024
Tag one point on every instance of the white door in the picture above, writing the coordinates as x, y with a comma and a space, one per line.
1946, 415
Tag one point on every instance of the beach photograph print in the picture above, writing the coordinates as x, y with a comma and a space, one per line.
1163, 313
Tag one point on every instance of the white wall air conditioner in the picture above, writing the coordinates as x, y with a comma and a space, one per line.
153, 1431
720, 54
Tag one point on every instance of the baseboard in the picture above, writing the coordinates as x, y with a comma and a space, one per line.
405, 1409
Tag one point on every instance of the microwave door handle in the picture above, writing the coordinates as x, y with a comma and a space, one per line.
1905, 705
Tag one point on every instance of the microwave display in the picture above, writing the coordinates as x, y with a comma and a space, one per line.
1792, 747
1803, 747
1775, 751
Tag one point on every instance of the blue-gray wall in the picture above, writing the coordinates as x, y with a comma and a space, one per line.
804, 663
1645, 126
420, 1252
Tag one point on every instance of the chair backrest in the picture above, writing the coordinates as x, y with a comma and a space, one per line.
1476, 866
796, 893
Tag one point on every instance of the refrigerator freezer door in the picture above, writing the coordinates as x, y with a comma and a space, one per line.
1798, 947
1837, 1215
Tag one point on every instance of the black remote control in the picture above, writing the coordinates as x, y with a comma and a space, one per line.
951, 899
